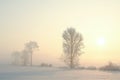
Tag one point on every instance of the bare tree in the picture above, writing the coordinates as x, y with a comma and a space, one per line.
16, 58
25, 57
29, 47
72, 46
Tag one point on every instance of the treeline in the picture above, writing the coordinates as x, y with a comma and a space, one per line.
72, 49
24, 57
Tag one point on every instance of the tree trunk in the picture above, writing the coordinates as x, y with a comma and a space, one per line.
31, 60
71, 52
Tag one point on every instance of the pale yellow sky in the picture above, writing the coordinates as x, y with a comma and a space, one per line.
45, 20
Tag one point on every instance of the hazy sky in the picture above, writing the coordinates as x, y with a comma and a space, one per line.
45, 20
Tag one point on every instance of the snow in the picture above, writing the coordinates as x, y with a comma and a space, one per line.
9, 72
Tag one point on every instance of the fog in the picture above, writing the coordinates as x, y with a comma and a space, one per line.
44, 22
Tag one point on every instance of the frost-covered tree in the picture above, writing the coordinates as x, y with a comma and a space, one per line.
16, 58
25, 57
29, 48
72, 46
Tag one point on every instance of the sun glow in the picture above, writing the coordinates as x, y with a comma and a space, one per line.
101, 41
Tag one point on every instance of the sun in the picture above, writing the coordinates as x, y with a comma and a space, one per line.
101, 41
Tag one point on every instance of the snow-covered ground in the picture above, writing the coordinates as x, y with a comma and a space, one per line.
9, 72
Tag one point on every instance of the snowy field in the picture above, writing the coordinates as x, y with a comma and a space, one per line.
8, 72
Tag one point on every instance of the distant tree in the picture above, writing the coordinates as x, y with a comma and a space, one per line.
72, 46
45, 65
16, 58
110, 67
29, 48
25, 57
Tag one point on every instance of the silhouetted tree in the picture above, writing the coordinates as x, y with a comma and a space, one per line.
72, 46
29, 47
